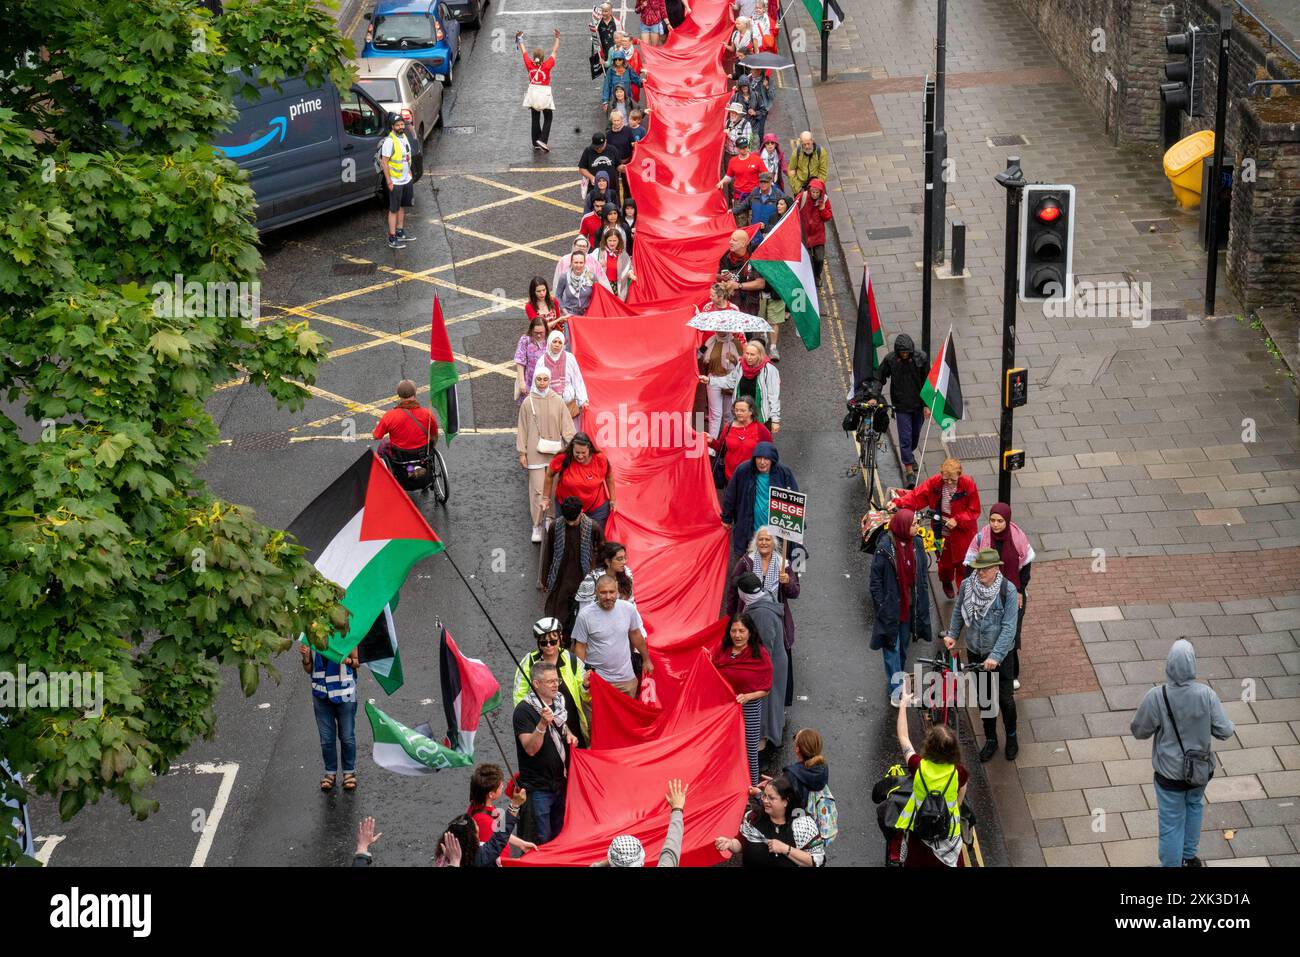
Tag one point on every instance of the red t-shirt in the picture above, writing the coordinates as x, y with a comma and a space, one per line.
744, 172
587, 482
405, 433
741, 443
589, 227
611, 271
539, 73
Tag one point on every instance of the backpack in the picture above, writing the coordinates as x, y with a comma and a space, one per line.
891, 793
932, 819
822, 809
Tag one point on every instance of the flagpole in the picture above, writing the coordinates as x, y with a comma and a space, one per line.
473, 594
925, 437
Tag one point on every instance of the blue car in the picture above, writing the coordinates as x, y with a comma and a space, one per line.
423, 30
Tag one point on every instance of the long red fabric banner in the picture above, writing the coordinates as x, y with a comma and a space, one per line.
638, 360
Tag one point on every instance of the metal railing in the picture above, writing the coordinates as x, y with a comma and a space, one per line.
1272, 37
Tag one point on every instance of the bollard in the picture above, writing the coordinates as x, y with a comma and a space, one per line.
958, 247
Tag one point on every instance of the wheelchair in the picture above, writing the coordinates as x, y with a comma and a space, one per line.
419, 470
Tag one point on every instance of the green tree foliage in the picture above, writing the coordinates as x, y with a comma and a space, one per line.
114, 556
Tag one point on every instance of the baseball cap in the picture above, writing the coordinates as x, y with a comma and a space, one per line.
597, 139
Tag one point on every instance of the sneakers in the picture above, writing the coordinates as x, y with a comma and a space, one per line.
990, 748
1193, 862
537, 533
909, 476
775, 353
1013, 747
1015, 684
395, 243
542, 146
404, 237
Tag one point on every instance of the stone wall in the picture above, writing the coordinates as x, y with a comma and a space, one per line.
1264, 237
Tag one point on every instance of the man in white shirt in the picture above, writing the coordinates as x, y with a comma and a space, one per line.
395, 158
605, 634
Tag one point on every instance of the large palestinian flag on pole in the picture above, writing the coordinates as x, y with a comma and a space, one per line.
782, 259
442, 376
942, 390
410, 751
364, 534
468, 692
868, 337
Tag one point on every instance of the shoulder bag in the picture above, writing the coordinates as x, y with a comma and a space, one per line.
719, 461
1198, 765
544, 446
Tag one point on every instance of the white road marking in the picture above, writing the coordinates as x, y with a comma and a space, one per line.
541, 13
227, 772
48, 843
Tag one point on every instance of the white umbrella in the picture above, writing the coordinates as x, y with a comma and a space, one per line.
728, 320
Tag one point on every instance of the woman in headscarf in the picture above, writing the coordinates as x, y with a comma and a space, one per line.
1006, 538
955, 497
530, 348
899, 594
758, 604
613, 261
544, 426
566, 378
779, 580
574, 288
744, 664
756, 377
720, 354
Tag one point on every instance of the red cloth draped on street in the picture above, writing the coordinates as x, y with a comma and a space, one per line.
638, 361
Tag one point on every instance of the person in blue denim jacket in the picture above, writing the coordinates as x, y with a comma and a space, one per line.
986, 604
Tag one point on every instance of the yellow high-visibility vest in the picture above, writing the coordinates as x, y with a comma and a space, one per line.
928, 774
397, 160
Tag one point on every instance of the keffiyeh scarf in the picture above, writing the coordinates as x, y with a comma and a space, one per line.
978, 597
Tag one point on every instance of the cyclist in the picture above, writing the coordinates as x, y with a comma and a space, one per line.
868, 398
407, 430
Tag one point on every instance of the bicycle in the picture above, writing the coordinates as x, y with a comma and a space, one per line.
872, 435
947, 666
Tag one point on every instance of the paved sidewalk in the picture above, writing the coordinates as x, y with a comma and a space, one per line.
1166, 453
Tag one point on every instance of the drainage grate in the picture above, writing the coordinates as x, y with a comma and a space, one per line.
353, 269
982, 446
1169, 314
260, 442
890, 232
1009, 139
459, 130
1154, 225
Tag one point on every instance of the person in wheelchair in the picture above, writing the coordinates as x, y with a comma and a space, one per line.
868, 397
408, 431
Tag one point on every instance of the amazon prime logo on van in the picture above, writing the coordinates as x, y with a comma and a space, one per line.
177, 299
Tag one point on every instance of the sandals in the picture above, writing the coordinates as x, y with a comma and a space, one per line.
327, 782
349, 781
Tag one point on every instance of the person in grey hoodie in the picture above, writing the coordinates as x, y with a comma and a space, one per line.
1197, 713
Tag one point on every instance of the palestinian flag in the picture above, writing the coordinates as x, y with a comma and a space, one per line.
868, 338
468, 691
442, 376
942, 390
410, 751
378, 651
782, 259
833, 12
364, 534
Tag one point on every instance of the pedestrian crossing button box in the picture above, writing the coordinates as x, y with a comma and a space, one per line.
1013, 460
1016, 392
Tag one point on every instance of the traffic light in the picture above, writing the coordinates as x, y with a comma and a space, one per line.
1183, 76
1046, 243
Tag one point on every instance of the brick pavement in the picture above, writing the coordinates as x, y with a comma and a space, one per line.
1146, 442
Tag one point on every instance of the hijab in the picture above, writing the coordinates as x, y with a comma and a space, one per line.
541, 393
555, 336
900, 527
1005, 545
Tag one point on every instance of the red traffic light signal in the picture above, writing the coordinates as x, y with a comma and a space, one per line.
1049, 211
1045, 268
